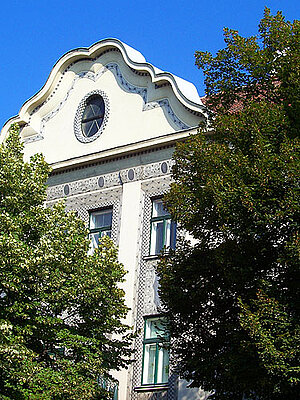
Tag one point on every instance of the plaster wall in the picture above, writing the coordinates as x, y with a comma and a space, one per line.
128, 253
138, 110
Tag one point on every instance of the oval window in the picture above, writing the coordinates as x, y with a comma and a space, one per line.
93, 115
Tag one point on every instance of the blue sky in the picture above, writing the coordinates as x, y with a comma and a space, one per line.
36, 33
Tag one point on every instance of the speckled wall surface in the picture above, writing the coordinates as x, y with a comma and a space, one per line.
98, 190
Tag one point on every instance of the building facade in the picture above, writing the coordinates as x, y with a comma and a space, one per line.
107, 122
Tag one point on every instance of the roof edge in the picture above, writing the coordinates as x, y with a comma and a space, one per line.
185, 91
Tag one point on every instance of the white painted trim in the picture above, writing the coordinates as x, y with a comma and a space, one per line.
123, 150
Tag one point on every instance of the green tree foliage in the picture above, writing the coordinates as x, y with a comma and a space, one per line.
232, 295
60, 308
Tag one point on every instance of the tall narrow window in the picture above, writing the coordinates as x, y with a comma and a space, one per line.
100, 225
110, 385
163, 229
156, 353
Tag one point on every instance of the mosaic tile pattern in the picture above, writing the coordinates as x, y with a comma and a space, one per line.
147, 302
110, 180
97, 200
94, 193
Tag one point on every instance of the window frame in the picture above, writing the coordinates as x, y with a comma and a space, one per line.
79, 114
101, 229
159, 343
94, 118
163, 219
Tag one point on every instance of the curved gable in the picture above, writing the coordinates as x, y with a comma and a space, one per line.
143, 102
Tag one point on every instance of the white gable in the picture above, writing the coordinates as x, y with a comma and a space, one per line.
141, 103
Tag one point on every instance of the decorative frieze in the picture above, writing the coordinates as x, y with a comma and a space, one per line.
110, 180
164, 103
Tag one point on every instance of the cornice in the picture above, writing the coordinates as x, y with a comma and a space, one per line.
122, 151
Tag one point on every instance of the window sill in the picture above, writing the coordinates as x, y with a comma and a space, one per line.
151, 388
152, 257
156, 256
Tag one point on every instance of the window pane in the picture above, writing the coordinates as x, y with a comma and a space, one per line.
98, 123
93, 129
156, 354
106, 233
97, 105
157, 237
116, 395
92, 116
173, 235
86, 126
94, 108
170, 234
155, 328
162, 365
94, 240
96, 111
149, 363
158, 209
88, 113
101, 219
